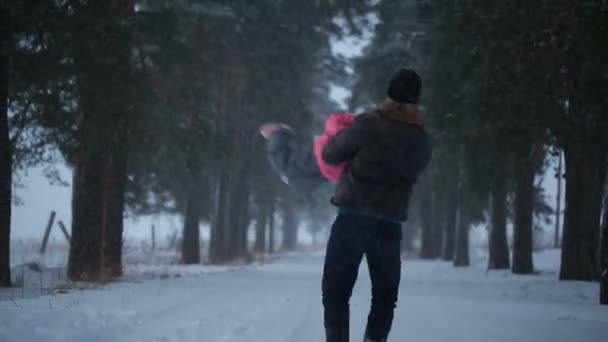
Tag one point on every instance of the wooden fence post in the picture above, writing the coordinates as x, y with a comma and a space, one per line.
153, 238
47, 232
173, 239
64, 231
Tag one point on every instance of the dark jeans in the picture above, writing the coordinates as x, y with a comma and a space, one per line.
353, 236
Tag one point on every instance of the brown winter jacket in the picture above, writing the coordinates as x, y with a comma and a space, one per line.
386, 150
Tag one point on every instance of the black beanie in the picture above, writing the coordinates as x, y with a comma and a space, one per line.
405, 86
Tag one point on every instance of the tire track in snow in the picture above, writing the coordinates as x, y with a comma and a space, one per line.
215, 314
152, 323
298, 333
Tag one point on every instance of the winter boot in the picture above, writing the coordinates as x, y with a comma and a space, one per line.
367, 338
336, 335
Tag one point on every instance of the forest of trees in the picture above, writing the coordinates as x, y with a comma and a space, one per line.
155, 106
508, 86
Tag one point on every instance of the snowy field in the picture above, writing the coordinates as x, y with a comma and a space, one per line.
280, 302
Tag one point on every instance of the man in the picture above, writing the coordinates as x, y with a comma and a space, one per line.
386, 151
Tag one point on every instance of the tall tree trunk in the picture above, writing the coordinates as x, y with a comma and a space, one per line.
232, 218
451, 220
6, 169
191, 237
260, 229
451, 174
439, 223
271, 229
604, 255
115, 181
100, 163
115, 170
231, 224
85, 257
558, 210
499, 247
532, 157
243, 222
427, 220
289, 227
218, 233
524, 209
230, 228
585, 177
227, 226
461, 252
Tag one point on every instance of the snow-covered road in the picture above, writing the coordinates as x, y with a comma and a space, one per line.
280, 302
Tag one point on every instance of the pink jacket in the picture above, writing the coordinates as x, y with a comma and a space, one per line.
336, 123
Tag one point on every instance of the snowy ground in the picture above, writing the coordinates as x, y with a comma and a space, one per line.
281, 302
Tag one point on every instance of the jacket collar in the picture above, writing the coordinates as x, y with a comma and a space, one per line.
403, 112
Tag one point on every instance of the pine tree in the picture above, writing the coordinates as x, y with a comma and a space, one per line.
580, 129
498, 244
6, 158
604, 256
289, 226
100, 161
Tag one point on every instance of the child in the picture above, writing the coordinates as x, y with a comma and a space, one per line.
302, 166
336, 123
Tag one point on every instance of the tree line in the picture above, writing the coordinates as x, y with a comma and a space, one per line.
507, 86
155, 106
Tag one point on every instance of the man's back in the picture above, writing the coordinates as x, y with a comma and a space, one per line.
387, 150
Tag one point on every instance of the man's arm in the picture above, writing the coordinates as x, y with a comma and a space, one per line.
343, 146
